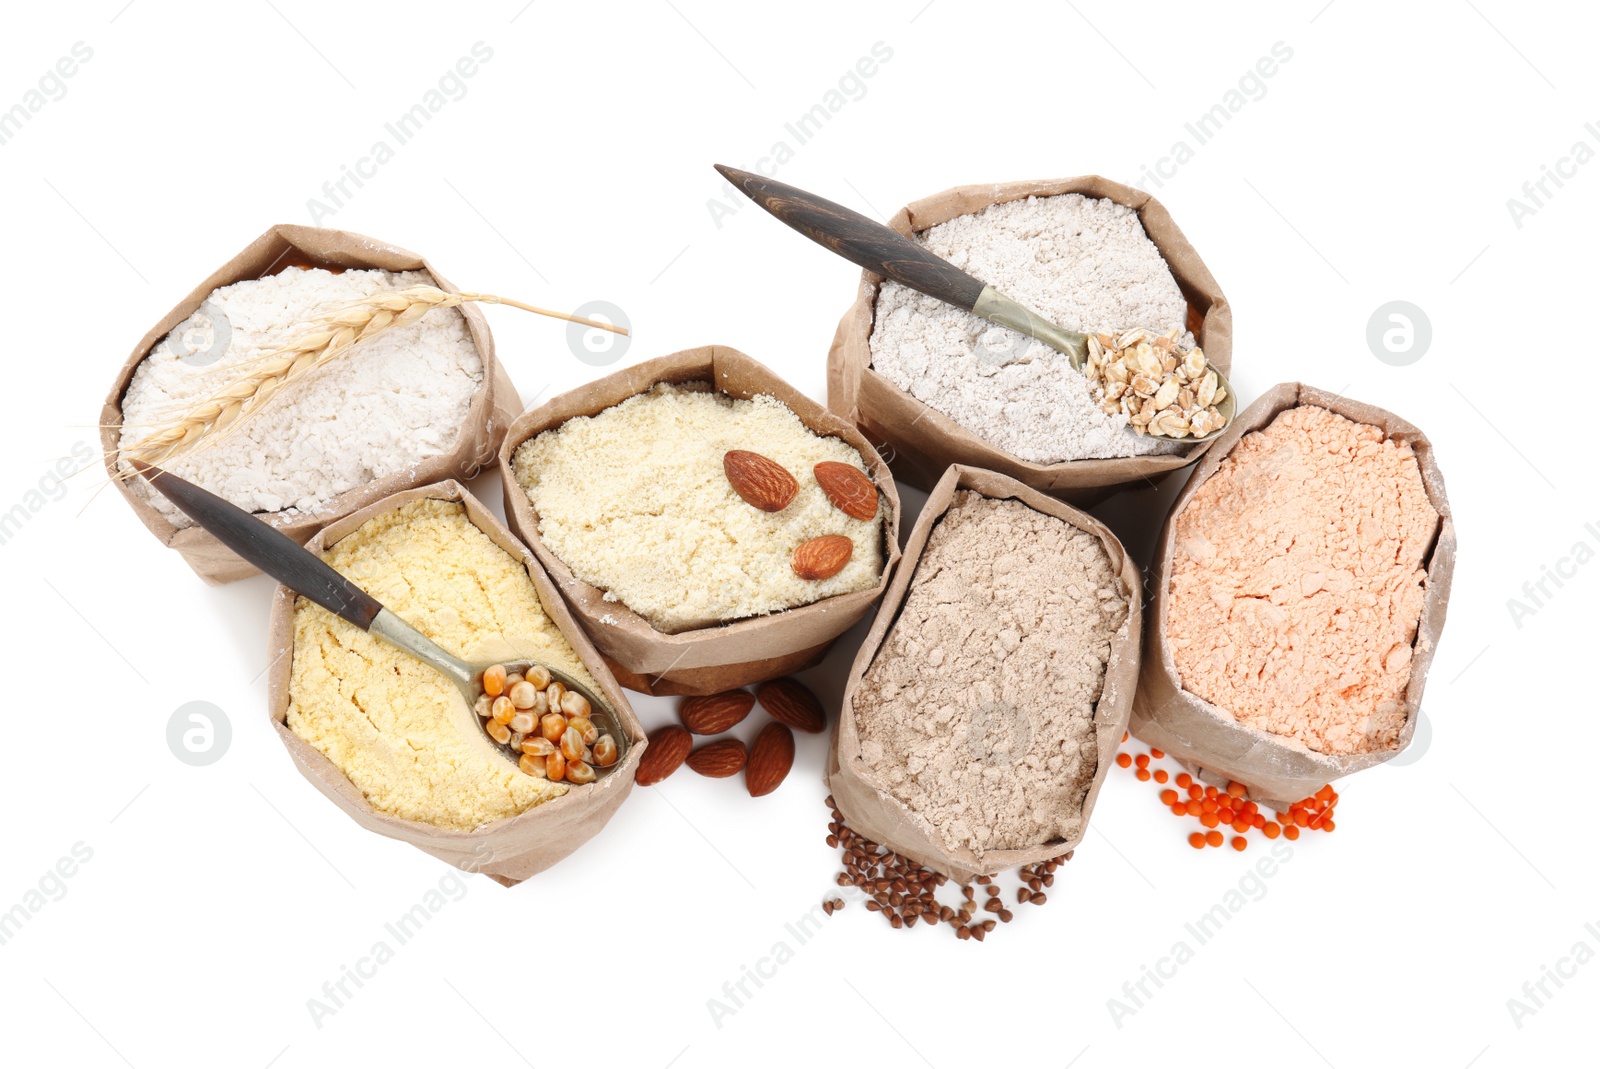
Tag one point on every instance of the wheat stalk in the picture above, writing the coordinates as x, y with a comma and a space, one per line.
329, 338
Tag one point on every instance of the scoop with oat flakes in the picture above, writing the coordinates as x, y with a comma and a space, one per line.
1167, 390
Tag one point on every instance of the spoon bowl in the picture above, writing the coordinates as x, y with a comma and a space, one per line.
468, 678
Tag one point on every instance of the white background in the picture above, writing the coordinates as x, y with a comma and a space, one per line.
1376, 166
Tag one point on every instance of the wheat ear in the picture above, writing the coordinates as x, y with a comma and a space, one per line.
330, 337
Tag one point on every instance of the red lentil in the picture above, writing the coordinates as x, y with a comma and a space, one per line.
1229, 807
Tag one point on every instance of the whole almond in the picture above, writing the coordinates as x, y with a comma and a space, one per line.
715, 713
761, 481
667, 749
771, 757
788, 701
822, 557
719, 759
851, 492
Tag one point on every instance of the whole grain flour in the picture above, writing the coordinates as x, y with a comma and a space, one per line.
1083, 262
978, 712
388, 403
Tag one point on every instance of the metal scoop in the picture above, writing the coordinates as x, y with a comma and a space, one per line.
879, 248
302, 571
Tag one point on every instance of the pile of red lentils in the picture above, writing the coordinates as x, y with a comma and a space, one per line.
904, 892
1228, 807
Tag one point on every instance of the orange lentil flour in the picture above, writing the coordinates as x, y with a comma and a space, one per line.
1297, 582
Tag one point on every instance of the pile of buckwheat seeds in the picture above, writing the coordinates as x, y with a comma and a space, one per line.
904, 892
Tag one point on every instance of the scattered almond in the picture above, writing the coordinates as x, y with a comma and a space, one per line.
789, 701
771, 757
851, 492
667, 749
718, 760
822, 557
713, 714
761, 481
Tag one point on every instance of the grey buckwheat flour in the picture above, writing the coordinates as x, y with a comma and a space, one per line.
1083, 262
978, 712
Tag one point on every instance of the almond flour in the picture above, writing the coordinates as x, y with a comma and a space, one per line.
1297, 582
636, 500
1083, 262
390, 402
978, 712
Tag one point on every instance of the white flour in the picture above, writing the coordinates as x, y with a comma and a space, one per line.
1084, 263
379, 409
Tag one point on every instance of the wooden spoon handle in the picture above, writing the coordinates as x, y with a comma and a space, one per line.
860, 240
268, 548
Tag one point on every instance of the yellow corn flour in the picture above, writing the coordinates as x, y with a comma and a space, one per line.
401, 731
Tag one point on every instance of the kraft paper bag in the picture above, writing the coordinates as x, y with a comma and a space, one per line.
1207, 739
493, 407
922, 442
708, 659
507, 850
868, 807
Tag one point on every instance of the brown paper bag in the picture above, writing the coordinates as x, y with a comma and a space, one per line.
921, 441
1206, 739
872, 811
508, 850
708, 659
493, 407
